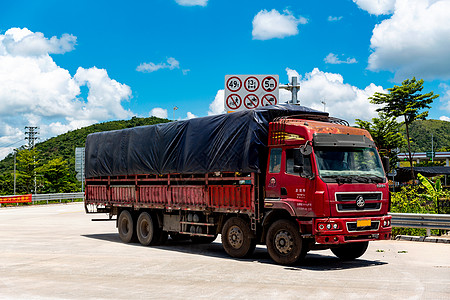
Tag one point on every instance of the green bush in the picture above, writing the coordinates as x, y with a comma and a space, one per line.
410, 200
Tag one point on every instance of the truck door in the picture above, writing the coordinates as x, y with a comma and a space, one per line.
298, 183
273, 178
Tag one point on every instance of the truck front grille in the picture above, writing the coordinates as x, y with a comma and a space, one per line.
347, 202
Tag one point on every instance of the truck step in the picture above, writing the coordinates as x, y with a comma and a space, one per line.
200, 224
197, 234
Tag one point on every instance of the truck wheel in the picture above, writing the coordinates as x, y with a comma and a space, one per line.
350, 251
125, 226
284, 242
237, 238
145, 229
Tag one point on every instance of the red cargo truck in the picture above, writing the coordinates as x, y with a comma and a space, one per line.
285, 176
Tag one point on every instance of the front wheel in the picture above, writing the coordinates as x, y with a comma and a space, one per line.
284, 242
237, 238
350, 251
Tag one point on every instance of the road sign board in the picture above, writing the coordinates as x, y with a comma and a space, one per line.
244, 92
79, 163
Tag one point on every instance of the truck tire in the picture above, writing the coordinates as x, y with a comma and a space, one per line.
145, 229
350, 251
125, 226
284, 242
237, 238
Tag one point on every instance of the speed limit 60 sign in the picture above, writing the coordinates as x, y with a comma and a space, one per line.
244, 92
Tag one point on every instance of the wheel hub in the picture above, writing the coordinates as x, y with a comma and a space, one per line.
284, 242
235, 237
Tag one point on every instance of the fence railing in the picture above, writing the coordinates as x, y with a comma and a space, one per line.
40, 197
56, 197
427, 221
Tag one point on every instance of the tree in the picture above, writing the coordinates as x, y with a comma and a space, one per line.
26, 166
57, 177
407, 102
385, 133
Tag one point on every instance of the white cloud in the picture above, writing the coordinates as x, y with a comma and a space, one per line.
376, 7
342, 99
444, 118
192, 2
334, 59
218, 105
159, 113
445, 96
34, 90
190, 115
271, 24
171, 64
334, 19
292, 73
414, 41
23, 42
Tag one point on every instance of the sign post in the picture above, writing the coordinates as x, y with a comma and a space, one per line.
79, 165
246, 92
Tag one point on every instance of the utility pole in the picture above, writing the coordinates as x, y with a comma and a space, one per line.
174, 109
15, 151
324, 104
294, 87
432, 149
32, 137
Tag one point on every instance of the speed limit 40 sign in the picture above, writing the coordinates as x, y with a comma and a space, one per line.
245, 92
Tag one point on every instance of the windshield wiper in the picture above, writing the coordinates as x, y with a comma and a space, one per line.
339, 179
374, 178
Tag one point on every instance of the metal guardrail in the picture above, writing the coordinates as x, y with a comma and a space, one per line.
427, 221
56, 197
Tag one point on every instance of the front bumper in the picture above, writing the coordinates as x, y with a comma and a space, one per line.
348, 230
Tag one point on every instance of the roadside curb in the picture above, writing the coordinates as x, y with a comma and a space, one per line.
429, 239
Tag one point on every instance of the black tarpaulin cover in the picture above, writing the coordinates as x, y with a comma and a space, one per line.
234, 142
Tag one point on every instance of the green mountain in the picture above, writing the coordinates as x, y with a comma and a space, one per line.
421, 132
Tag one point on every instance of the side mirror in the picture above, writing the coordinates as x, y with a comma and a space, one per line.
306, 149
386, 164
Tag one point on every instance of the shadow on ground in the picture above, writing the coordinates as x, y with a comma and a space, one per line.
312, 261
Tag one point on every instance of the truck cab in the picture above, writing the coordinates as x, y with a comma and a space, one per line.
330, 179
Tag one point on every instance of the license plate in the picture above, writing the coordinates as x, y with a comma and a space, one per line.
363, 223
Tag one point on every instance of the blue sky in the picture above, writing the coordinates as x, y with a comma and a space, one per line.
68, 64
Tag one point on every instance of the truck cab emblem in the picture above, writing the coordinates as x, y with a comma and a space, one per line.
360, 202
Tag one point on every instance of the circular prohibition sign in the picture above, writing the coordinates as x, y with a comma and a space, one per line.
251, 101
234, 101
234, 84
269, 84
268, 99
251, 84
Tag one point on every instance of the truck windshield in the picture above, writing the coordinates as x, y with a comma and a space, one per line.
347, 165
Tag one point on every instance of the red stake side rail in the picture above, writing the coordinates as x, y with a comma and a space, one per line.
220, 192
